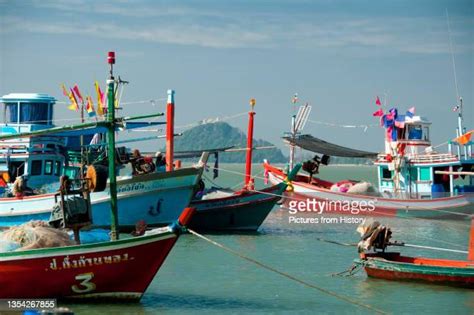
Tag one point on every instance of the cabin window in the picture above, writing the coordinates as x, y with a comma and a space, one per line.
425, 173
48, 167
57, 168
35, 113
386, 173
413, 173
12, 112
426, 133
414, 132
36, 167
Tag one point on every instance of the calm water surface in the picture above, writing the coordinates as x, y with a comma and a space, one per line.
200, 278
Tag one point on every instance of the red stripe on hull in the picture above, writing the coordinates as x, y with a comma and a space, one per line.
410, 276
125, 270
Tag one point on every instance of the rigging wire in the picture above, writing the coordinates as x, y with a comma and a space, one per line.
452, 57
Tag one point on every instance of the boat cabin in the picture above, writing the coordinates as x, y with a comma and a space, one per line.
411, 167
40, 159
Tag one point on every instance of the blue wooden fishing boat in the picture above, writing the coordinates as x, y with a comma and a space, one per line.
36, 162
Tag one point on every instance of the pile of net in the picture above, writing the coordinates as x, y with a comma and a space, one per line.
31, 235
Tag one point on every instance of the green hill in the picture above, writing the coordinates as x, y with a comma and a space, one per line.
221, 134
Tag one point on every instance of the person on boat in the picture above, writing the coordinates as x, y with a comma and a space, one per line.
160, 161
20, 187
200, 190
141, 164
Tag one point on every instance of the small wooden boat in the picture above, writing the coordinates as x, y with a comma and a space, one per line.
242, 210
393, 266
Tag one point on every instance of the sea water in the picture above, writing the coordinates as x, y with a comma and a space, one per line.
199, 278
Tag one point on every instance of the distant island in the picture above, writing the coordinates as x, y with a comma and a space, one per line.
221, 135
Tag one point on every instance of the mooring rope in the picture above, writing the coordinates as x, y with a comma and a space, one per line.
288, 276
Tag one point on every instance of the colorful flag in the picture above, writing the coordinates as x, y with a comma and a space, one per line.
378, 113
90, 107
65, 92
77, 93
465, 138
411, 112
100, 99
294, 100
72, 98
456, 108
377, 101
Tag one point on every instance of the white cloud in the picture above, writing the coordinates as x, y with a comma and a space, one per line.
183, 25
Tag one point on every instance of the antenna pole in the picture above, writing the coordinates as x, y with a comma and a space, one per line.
458, 98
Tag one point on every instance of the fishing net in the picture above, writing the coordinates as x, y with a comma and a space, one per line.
34, 234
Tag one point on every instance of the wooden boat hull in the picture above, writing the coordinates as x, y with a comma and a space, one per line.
244, 211
120, 269
156, 198
392, 266
455, 207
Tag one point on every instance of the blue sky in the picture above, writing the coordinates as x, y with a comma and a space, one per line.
337, 55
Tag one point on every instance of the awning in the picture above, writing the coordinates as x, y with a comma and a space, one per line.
316, 145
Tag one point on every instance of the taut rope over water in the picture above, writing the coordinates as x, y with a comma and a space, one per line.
288, 276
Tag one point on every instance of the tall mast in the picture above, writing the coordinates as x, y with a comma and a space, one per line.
293, 132
111, 150
248, 160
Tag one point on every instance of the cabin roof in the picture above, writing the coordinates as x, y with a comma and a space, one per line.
27, 97
417, 120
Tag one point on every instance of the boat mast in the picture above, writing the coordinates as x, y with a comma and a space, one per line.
293, 132
248, 160
111, 149
170, 131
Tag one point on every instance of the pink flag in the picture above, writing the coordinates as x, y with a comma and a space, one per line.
78, 94
377, 101
378, 113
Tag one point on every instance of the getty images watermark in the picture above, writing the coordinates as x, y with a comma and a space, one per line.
326, 206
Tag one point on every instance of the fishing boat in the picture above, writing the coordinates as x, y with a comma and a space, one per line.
121, 269
410, 178
241, 210
393, 266
116, 269
42, 159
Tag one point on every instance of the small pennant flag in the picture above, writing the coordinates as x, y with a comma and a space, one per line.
378, 113
65, 92
100, 99
294, 100
72, 98
411, 112
90, 107
378, 102
456, 108
77, 93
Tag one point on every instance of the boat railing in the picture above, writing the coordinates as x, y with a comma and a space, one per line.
423, 158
